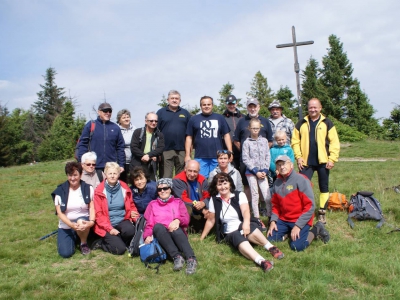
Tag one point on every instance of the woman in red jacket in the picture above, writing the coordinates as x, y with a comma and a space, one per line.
115, 212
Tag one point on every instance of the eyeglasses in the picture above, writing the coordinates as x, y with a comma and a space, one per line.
219, 152
90, 165
280, 164
255, 129
152, 121
107, 110
163, 189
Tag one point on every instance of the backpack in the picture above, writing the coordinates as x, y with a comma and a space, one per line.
363, 206
152, 253
337, 201
133, 249
92, 128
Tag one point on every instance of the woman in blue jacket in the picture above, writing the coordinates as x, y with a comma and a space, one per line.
143, 190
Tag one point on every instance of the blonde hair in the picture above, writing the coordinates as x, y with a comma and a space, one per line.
254, 120
112, 165
280, 133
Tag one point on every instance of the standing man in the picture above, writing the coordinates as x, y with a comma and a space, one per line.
279, 122
316, 147
172, 122
232, 116
103, 137
242, 133
205, 131
147, 145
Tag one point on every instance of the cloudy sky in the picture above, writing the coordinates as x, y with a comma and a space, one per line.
133, 52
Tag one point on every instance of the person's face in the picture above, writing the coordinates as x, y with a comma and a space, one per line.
254, 128
276, 112
151, 121
231, 107
223, 187
74, 179
112, 176
140, 182
105, 114
164, 191
174, 100
125, 120
206, 106
314, 109
223, 161
192, 171
253, 110
281, 140
283, 167
89, 165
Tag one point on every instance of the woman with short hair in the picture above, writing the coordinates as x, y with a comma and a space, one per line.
143, 189
90, 175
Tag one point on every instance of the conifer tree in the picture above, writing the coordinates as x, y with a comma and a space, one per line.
288, 102
225, 91
391, 125
163, 102
260, 90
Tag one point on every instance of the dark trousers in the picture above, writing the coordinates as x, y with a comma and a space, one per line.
116, 244
323, 176
173, 242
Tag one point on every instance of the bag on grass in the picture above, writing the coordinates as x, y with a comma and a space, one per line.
337, 201
137, 239
363, 206
152, 253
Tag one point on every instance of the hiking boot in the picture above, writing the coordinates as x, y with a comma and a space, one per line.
97, 244
321, 216
263, 227
322, 233
191, 266
275, 252
267, 265
85, 250
178, 263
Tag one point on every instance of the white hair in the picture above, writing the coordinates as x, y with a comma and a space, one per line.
89, 156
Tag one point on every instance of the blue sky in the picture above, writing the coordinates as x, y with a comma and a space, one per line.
136, 51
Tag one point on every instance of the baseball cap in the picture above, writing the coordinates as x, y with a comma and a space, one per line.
104, 105
252, 101
282, 158
275, 104
231, 99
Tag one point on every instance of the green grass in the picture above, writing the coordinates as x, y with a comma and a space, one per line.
363, 263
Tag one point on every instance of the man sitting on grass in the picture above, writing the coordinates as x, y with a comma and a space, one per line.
293, 208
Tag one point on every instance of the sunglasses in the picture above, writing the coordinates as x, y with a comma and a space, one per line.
107, 110
219, 152
91, 165
163, 189
152, 121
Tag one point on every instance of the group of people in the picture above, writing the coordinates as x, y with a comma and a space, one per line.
235, 157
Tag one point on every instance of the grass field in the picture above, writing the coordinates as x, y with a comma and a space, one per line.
363, 263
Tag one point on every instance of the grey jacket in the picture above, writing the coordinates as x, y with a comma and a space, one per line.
255, 154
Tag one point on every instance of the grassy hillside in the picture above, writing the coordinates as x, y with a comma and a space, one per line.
363, 263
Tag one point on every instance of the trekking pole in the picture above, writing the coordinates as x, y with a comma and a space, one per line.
48, 235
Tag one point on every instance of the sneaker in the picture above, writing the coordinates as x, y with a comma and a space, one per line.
85, 250
322, 233
275, 252
267, 265
263, 227
321, 216
191, 266
178, 263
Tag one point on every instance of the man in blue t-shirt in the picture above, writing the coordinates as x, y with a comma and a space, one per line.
205, 132
172, 122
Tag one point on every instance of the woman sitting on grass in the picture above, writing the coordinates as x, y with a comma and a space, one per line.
115, 212
231, 213
75, 210
167, 219
90, 175
143, 190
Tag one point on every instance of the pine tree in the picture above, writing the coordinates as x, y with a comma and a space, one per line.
289, 104
391, 126
260, 90
5, 151
225, 91
163, 102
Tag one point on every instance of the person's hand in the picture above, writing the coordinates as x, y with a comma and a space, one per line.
260, 175
295, 234
121, 169
134, 214
300, 163
199, 205
114, 231
149, 239
329, 165
246, 228
206, 213
145, 158
85, 225
272, 227
174, 225
187, 158
154, 158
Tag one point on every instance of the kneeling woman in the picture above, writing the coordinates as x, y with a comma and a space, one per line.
74, 208
166, 219
231, 213
115, 212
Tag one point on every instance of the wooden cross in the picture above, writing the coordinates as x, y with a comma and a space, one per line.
296, 64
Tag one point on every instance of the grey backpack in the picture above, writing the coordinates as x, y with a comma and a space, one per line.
363, 206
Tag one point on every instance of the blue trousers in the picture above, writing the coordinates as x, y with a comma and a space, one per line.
67, 239
285, 228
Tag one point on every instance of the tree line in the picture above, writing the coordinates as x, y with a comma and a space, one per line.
50, 129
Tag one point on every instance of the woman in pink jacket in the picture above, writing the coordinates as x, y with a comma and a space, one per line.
167, 220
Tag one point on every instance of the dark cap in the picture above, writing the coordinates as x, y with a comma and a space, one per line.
275, 104
104, 105
231, 99
282, 158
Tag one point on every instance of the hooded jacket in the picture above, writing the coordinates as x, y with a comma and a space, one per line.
181, 187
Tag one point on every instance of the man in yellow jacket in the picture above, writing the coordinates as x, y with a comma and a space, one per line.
316, 147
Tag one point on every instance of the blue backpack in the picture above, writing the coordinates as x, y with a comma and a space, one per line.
363, 206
